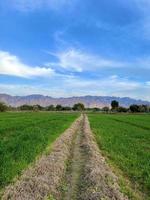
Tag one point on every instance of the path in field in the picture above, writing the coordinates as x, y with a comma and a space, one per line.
75, 167
87, 176
74, 170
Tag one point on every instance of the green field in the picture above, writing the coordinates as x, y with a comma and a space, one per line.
125, 141
24, 136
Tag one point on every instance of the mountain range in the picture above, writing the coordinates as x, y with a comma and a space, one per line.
88, 101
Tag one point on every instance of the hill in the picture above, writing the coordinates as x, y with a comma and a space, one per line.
88, 101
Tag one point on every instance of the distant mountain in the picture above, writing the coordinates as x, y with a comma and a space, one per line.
88, 101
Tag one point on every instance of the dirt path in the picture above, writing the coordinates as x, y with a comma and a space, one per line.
87, 176
75, 167
74, 170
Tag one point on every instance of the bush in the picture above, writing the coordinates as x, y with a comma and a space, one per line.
78, 107
105, 109
134, 108
59, 107
3, 107
122, 109
26, 107
96, 109
50, 108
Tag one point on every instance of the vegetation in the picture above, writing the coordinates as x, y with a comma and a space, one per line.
125, 140
78, 107
24, 135
139, 108
3, 107
59, 107
114, 105
105, 109
122, 109
50, 108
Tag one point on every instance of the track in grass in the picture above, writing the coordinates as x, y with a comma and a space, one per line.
23, 136
71, 186
86, 176
125, 140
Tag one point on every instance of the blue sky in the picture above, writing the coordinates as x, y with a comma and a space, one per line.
75, 48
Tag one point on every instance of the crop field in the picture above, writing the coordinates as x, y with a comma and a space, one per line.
125, 141
75, 166
24, 136
73, 169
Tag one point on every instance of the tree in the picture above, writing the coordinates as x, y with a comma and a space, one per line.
37, 107
143, 108
26, 107
78, 107
96, 109
50, 108
114, 105
122, 109
3, 107
105, 109
59, 107
66, 108
134, 108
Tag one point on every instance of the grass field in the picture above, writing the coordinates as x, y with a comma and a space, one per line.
125, 140
23, 136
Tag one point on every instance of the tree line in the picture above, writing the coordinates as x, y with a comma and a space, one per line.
115, 107
132, 108
25, 107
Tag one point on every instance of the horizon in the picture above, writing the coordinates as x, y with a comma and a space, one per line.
73, 96
63, 48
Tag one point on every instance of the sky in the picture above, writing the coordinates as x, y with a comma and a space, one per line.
63, 48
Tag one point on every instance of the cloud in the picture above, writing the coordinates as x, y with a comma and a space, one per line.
77, 86
75, 60
148, 83
143, 4
110, 86
31, 5
11, 65
143, 25
78, 61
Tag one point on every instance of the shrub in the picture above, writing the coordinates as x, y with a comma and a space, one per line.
78, 107
3, 107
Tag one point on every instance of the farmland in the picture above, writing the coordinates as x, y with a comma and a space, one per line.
125, 141
73, 169
24, 136
74, 166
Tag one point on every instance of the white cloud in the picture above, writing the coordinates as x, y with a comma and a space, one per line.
76, 60
30, 5
109, 86
11, 65
148, 83
143, 26
25, 89
75, 86
143, 4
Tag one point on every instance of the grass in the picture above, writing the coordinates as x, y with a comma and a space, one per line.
125, 141
24, 136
